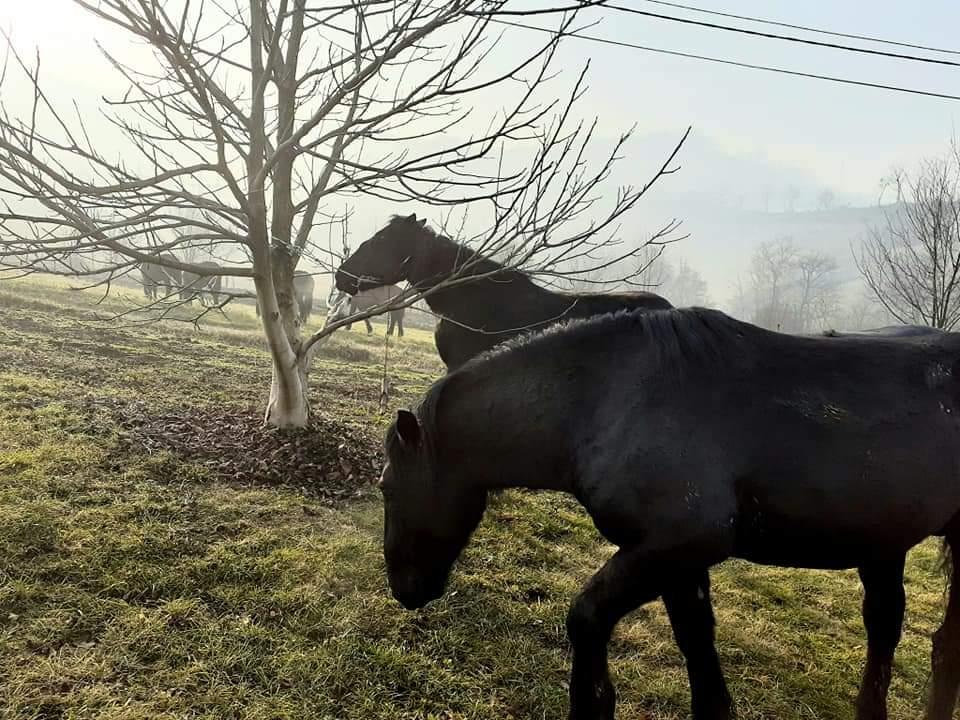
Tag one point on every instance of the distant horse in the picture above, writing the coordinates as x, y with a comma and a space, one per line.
377, 296
303, 286
691, 437
478, 315
206, 287
154, 276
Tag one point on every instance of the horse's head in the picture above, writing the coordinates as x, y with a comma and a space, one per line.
427, 518
384, 258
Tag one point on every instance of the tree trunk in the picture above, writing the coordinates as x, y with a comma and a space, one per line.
288, 405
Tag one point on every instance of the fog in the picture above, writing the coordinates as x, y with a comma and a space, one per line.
770, 156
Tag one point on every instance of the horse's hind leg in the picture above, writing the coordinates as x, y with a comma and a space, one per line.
883, 605
628, 580
946, 644
691, 617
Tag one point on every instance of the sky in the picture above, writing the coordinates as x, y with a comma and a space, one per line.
751, 130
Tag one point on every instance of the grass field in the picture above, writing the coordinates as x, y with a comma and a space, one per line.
137, 583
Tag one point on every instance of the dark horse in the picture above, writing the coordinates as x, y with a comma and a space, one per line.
154, 276
206, 287
691, 437
474, 316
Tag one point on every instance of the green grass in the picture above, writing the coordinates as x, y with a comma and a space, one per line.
136, 587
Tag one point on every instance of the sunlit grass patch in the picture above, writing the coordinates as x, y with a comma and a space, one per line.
135, 584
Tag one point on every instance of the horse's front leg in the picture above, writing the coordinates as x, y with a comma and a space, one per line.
629, 579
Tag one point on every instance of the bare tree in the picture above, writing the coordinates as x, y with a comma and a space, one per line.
770, 269
792, 291
911, 263
817, 292
601, 271
255, 120
685, 286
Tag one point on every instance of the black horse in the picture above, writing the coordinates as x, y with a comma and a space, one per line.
478, 315
205, 287
155, 276
690, 438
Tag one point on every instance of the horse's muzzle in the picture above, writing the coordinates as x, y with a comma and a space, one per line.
413, 593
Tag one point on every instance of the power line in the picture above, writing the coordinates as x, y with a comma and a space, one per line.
788, 38
805, 28
734, 63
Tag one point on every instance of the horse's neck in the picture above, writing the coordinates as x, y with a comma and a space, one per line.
437, 257
507, 296
522, 432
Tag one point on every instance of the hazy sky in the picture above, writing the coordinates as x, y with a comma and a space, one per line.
836, 136
846, 136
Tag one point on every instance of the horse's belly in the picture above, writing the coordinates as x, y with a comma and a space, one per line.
850, 499
831, 541
823, 552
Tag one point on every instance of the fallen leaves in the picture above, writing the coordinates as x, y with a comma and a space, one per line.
329, 460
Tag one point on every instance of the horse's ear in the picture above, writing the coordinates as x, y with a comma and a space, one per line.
423, 221
412, 218
408, 429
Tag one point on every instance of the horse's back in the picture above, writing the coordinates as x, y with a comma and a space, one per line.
366, 299
303, 282
892, 331
589, 304
812, 450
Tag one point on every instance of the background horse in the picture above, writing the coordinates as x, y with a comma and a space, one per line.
691, 437
303, 287
154, 276
206, 287
474, 316
367, 299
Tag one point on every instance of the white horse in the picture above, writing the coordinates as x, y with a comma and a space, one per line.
341, 305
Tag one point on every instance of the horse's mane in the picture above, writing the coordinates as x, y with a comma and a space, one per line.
680, 340
480, 263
